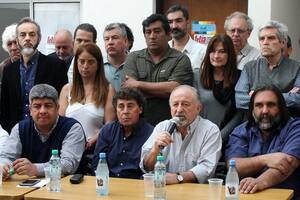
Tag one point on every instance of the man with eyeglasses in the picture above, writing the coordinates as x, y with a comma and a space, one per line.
239, 27
32, 68
28, 148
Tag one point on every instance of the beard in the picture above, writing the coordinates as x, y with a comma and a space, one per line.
27, 51
267, 122
178, 33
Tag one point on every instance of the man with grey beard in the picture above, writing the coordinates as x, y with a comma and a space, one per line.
178, 18
266, 148
32, 68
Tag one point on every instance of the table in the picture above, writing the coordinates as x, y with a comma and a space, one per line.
10, 191
129, 189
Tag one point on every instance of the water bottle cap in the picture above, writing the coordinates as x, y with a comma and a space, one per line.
232, 163
102, 155
54, 151
160, 158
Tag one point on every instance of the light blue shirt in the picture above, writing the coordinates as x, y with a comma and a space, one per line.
113, 74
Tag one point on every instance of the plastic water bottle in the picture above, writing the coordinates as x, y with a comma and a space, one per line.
55, 171
232, 182
102, 176
160, 179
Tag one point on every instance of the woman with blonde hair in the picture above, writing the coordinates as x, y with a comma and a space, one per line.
89, 98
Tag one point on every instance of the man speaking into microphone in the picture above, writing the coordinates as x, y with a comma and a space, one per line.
193, 150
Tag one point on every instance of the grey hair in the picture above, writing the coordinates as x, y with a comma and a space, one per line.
9, 34
29, 20
69, 34
118, 26
241, 15
186, 87
42, 91
281, 28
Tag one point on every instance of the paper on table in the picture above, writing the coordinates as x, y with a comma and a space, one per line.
42, 183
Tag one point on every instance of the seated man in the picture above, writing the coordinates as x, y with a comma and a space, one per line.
267, 147
193, 150
28, 148
122, 140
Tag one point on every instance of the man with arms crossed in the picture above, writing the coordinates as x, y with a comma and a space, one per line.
157, 69
267, 147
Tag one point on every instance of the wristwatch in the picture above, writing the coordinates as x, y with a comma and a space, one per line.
179, 177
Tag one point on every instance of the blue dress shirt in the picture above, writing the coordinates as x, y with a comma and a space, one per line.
123, 154
245, 143
27, 77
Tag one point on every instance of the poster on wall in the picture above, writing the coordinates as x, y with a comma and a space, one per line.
53, 16
203, 31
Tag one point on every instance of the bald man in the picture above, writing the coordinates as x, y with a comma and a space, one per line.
63, 42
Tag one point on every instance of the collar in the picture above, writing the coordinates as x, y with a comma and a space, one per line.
246, 50
47, 135
137, 128
265, 60
33, 60
106, 62
192, 127
167, 54
188, 46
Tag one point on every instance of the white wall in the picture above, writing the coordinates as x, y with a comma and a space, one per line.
285, 11
132, 12
259, 12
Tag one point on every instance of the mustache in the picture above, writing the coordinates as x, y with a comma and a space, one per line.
177, 30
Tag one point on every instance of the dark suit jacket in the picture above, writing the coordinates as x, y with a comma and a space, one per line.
68, 62
49, 71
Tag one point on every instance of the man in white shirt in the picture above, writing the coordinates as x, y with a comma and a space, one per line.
193, 150
178, 18
239, 26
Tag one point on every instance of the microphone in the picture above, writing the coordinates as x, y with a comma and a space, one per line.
174, 121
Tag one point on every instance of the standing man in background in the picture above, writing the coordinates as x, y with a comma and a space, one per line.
84, 33
32, 68
116, 46
63, 43
239, 26
178, 18
9, 44
157, 69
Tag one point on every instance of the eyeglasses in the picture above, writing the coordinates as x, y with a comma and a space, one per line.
239, 31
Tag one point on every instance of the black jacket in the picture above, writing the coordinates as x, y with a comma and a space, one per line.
49, 71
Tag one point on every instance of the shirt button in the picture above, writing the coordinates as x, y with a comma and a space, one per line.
121, 164
124, 150
118, 175
124, 138
26, 115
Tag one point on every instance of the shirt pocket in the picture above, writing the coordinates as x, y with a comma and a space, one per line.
142, 75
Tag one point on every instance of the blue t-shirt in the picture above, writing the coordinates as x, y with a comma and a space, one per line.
122, 154
249, 143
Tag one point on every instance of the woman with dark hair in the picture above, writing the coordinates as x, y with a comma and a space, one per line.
215, 83
88, 99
